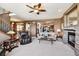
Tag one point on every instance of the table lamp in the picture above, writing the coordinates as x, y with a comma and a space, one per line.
11, 32
58, 30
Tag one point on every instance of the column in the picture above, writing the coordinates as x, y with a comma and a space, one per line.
65, 20
24, 26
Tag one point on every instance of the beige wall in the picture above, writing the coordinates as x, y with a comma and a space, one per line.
70, 19
73, 13
15, 19
57, 25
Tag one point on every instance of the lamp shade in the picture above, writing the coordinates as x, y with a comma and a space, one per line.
58, 30
10, 32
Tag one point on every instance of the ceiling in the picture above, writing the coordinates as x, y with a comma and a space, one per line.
53, 10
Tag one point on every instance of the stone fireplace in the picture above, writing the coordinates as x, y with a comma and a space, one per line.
69, 37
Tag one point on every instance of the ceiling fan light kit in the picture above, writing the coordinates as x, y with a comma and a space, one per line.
36, 8
36, 11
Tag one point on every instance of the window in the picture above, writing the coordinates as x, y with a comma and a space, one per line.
20, 26
27, 27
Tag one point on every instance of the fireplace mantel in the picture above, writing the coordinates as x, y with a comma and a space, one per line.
70, 29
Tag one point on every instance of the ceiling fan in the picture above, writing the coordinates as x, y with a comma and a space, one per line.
37, 8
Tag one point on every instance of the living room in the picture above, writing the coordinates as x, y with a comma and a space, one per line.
39, 29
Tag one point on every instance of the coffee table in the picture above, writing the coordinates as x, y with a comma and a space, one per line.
46, 39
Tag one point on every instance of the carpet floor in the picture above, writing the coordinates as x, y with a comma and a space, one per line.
44, 48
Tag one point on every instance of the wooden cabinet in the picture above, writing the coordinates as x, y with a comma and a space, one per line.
10, 44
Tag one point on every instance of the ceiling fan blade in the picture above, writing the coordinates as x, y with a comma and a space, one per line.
31, 11
29, 6
35, 6
42, 10
39, 5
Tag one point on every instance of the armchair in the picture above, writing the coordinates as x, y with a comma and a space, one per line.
25, 38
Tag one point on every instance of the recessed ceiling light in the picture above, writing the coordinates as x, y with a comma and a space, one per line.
12, 14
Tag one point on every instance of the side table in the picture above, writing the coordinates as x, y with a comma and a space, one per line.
59, 37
